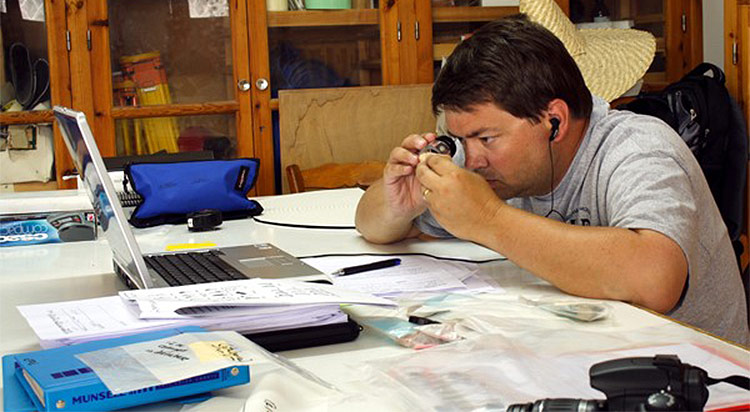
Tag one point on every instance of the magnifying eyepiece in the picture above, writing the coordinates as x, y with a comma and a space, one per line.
443, 145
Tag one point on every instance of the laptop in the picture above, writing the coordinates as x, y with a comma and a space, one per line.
165, 269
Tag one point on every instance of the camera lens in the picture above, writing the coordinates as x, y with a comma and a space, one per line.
560, 405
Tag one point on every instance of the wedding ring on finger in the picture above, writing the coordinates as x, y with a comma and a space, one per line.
426, 192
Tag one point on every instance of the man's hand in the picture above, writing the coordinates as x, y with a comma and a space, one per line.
402, 190
461, 201
386, 211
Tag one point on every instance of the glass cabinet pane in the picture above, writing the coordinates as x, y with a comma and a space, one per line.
326, 56
166, 51
26, 150
24, 54
213, 133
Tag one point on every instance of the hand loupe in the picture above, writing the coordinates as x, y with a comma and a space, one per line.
446, 145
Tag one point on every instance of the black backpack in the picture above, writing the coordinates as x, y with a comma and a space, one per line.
700, 109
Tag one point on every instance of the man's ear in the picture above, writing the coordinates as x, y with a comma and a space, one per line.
557, 119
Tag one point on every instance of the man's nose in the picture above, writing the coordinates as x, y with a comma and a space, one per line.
475, 156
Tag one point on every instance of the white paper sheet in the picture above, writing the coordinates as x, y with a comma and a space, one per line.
163, 361
414, 274
317, 208
65, 323
166, 302
208, 8
32, 10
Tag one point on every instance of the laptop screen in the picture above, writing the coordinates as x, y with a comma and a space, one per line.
101, 191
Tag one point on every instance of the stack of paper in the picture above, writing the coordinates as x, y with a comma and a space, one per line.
415, 274
245, 306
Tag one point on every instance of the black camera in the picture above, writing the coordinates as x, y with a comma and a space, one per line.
661, 383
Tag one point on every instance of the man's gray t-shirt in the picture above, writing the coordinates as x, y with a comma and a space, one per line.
633, 171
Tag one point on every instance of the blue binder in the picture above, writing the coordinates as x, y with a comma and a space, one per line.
55, 380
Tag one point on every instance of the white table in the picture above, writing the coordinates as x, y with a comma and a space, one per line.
57, 272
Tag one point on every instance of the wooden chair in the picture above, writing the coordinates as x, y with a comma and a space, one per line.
333, 175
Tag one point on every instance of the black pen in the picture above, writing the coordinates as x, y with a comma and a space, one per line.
367, 267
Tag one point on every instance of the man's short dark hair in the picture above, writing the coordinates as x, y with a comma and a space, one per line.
518, 65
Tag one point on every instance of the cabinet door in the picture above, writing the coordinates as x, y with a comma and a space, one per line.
452, 19
307, 48
32, 35
166, 76
676, 24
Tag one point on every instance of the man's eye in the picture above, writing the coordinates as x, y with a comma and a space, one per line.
486, 140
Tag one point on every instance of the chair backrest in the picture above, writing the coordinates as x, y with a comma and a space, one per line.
349, 125
333, 175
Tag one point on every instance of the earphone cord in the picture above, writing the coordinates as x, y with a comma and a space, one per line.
551, 181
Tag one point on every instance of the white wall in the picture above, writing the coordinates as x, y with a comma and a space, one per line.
713, 32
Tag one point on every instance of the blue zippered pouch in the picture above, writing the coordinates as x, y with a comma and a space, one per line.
172, 190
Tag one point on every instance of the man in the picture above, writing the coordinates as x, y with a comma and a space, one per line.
602, 204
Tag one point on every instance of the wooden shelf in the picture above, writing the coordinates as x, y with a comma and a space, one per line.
26, 117
169, 110
470, 14
649, 18
302, 18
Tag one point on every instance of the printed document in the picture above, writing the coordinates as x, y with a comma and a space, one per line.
66, 323
163, 303
414, 274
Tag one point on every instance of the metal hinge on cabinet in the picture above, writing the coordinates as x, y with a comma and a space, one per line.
416, 30
88, 39
683, 21
67, 40
735, 53
398, 31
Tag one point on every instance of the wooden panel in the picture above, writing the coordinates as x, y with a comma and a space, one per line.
27, 117
744, 73
466, 14
425, 67
408, 44
695, 32
389, 41
169, 110
731, 35
675, 44
240, 71
55, 20
261, 113
345, 125
80, 67
102, 123
744, 62
564, 5
322, 18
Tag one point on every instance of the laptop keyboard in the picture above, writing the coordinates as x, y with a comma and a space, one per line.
193, 267
129, 199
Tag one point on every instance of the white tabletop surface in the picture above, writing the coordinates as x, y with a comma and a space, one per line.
59, 272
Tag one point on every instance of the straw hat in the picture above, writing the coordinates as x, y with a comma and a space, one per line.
611, 60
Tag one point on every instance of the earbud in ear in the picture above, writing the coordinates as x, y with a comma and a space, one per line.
555, 122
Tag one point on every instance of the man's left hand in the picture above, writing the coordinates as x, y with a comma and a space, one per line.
461, 201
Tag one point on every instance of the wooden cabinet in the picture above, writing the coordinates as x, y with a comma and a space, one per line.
737, 52
737, 69
676, 24
169, 75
